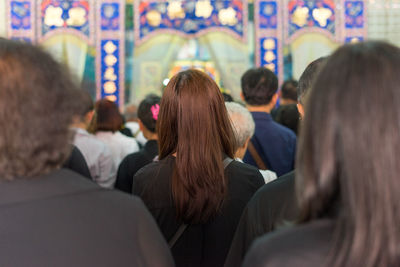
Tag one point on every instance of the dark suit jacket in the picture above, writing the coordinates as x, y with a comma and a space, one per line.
306, 245
134, 162
77, 163
63, 219
272, 205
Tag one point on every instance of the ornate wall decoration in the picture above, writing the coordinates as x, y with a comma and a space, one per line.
268, 24
100, 23
110, 47
355, 17
190, 18
61, 16
21, 20
310, 15
279, 22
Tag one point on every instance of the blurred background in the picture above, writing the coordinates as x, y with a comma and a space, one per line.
124, 50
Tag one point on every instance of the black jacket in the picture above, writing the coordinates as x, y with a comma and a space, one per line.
63, 219
134, 162
269, 208
305, 245
77, 163
203, 244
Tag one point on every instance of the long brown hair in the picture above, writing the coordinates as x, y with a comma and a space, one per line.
193, 122
348, 155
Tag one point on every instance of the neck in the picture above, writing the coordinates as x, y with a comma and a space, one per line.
287, 101
149, 135
240, 153
264, 108
80, 125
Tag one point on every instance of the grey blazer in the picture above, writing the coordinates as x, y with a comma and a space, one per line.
63, 219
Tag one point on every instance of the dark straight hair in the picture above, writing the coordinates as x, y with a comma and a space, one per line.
147, 111
193, 122
349, 148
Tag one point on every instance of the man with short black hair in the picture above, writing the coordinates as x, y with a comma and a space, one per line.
273, 146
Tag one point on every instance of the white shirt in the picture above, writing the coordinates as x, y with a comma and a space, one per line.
268, 176
120, 145
98, 158
134, 127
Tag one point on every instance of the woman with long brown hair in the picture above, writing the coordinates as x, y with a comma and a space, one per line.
194, 191
347, 172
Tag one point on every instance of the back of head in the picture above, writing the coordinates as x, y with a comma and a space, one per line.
307, 78
289, 90
259, 86
243, 123
130, 113
193, 122
107, 117
348, 153
36, 94
288, 116
83, 103
148, 112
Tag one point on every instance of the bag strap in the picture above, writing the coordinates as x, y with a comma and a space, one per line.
253, 152
183, 226
177, 235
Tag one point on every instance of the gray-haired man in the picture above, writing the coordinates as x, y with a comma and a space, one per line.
244, 126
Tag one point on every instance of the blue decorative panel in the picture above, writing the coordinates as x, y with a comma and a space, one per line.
311, 13
190, 17
65, 14
354, 39
268, 15
269, 53
354, 14
110, 17
21, 15
110, 53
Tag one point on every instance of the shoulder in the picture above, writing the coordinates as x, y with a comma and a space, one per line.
241, 168
282, 186
150, 174
284, 130
245, 173
277, 195
273, 203
149, 170
110, 201
132, 158
307, 245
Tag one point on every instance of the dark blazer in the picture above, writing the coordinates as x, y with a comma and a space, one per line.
63, 219
272, 205
134, 162
77, 163
305, 245
202, 244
